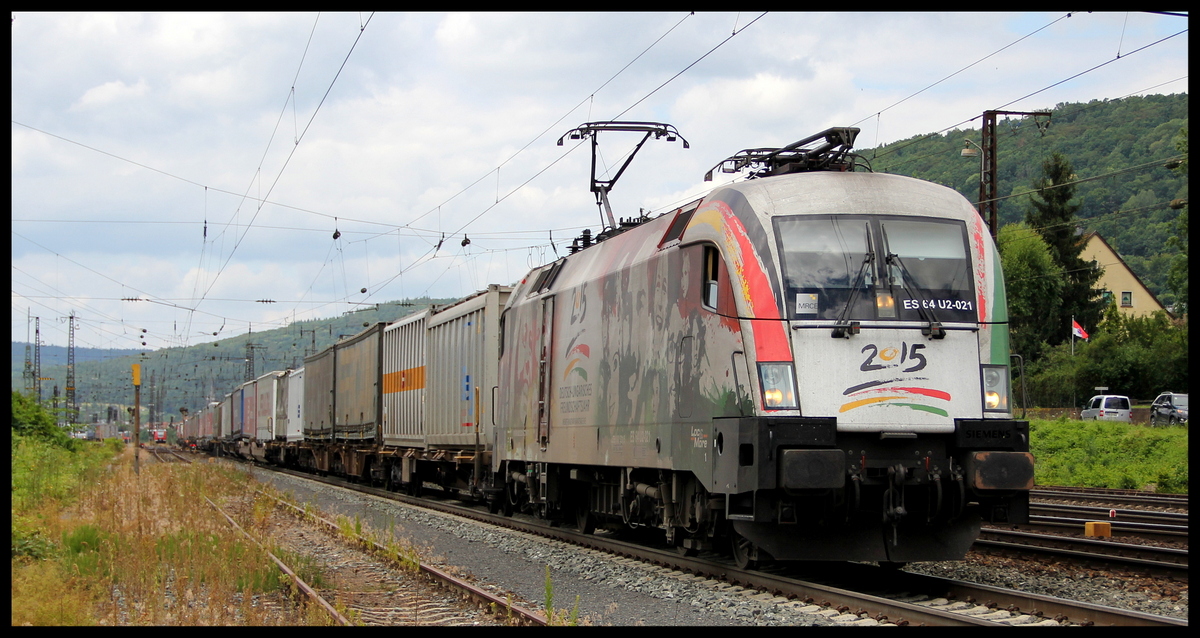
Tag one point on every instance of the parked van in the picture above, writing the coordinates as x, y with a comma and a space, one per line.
1108, 407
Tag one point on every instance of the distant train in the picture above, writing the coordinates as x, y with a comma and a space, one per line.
811, 364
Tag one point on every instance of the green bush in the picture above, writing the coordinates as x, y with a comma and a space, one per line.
31, 419
1134, 356
1110, 455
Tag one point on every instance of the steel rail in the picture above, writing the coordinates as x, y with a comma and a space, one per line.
896, 611
1107, 514
1168, 561
523, 614
1127, 497
300, 584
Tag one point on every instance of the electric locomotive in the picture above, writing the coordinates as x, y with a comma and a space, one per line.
811, 364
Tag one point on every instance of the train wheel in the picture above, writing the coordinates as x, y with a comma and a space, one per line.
584, 520
743, 549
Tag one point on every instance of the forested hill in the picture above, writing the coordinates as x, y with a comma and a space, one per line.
182, 377
1118, 146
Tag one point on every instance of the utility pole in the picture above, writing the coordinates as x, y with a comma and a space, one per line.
137, 417
72, 406
28, 374
250, 348
307, 351
37, 356
987, 174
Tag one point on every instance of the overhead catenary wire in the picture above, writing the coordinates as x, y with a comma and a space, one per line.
289, 158
1028, 95
473, 234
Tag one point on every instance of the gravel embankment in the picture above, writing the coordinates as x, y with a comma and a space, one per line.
622, 592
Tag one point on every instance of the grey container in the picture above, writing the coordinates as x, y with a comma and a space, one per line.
318, 395
462, 349
356, 397
404, 381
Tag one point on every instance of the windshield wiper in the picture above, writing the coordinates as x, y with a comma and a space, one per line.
934, 330
842, 329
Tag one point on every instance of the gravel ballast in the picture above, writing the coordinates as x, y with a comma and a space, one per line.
620, 592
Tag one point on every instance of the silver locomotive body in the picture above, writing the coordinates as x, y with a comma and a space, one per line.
812, 366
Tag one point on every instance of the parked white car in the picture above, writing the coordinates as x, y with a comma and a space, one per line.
1108, 407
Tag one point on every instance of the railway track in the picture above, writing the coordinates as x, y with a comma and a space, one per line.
1167, 562
373, 594
896, 597
1110, 497
1149, 531
388, 611
1158, 517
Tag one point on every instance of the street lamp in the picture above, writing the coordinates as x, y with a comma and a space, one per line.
967, 151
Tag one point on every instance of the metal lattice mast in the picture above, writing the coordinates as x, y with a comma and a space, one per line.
72, 407
27, 375
37, 356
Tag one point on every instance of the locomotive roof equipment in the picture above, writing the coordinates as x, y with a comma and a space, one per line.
601, 187
830, 155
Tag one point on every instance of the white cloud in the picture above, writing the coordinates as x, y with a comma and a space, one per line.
106, 94
428, 104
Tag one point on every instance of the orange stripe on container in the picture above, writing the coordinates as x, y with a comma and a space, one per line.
404, 380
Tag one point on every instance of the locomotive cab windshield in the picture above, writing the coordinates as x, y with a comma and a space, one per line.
877, 268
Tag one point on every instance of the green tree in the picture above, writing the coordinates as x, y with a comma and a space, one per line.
1034, 284
31, 419
1052, 214
1135, 356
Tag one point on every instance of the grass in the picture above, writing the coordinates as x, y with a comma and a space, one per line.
96, 544
1110, 455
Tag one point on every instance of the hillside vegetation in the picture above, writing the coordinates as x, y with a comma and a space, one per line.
1105, 141
182, 377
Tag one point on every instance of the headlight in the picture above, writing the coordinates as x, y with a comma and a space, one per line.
995, 388
778, 381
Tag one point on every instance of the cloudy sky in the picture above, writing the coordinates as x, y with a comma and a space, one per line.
203, 162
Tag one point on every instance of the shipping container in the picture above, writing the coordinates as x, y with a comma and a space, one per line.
357, 387
225, 417
249, 405
267, 386
318, 395
462, 346
404, 381
290, 420
238, 403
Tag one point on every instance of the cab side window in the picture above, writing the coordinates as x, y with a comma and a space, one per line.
710, 286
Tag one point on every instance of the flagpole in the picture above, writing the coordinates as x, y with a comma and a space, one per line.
1072, 335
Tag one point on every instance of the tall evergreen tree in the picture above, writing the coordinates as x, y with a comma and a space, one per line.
1052, 215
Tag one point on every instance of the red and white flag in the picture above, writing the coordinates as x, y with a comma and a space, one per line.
1077, 330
